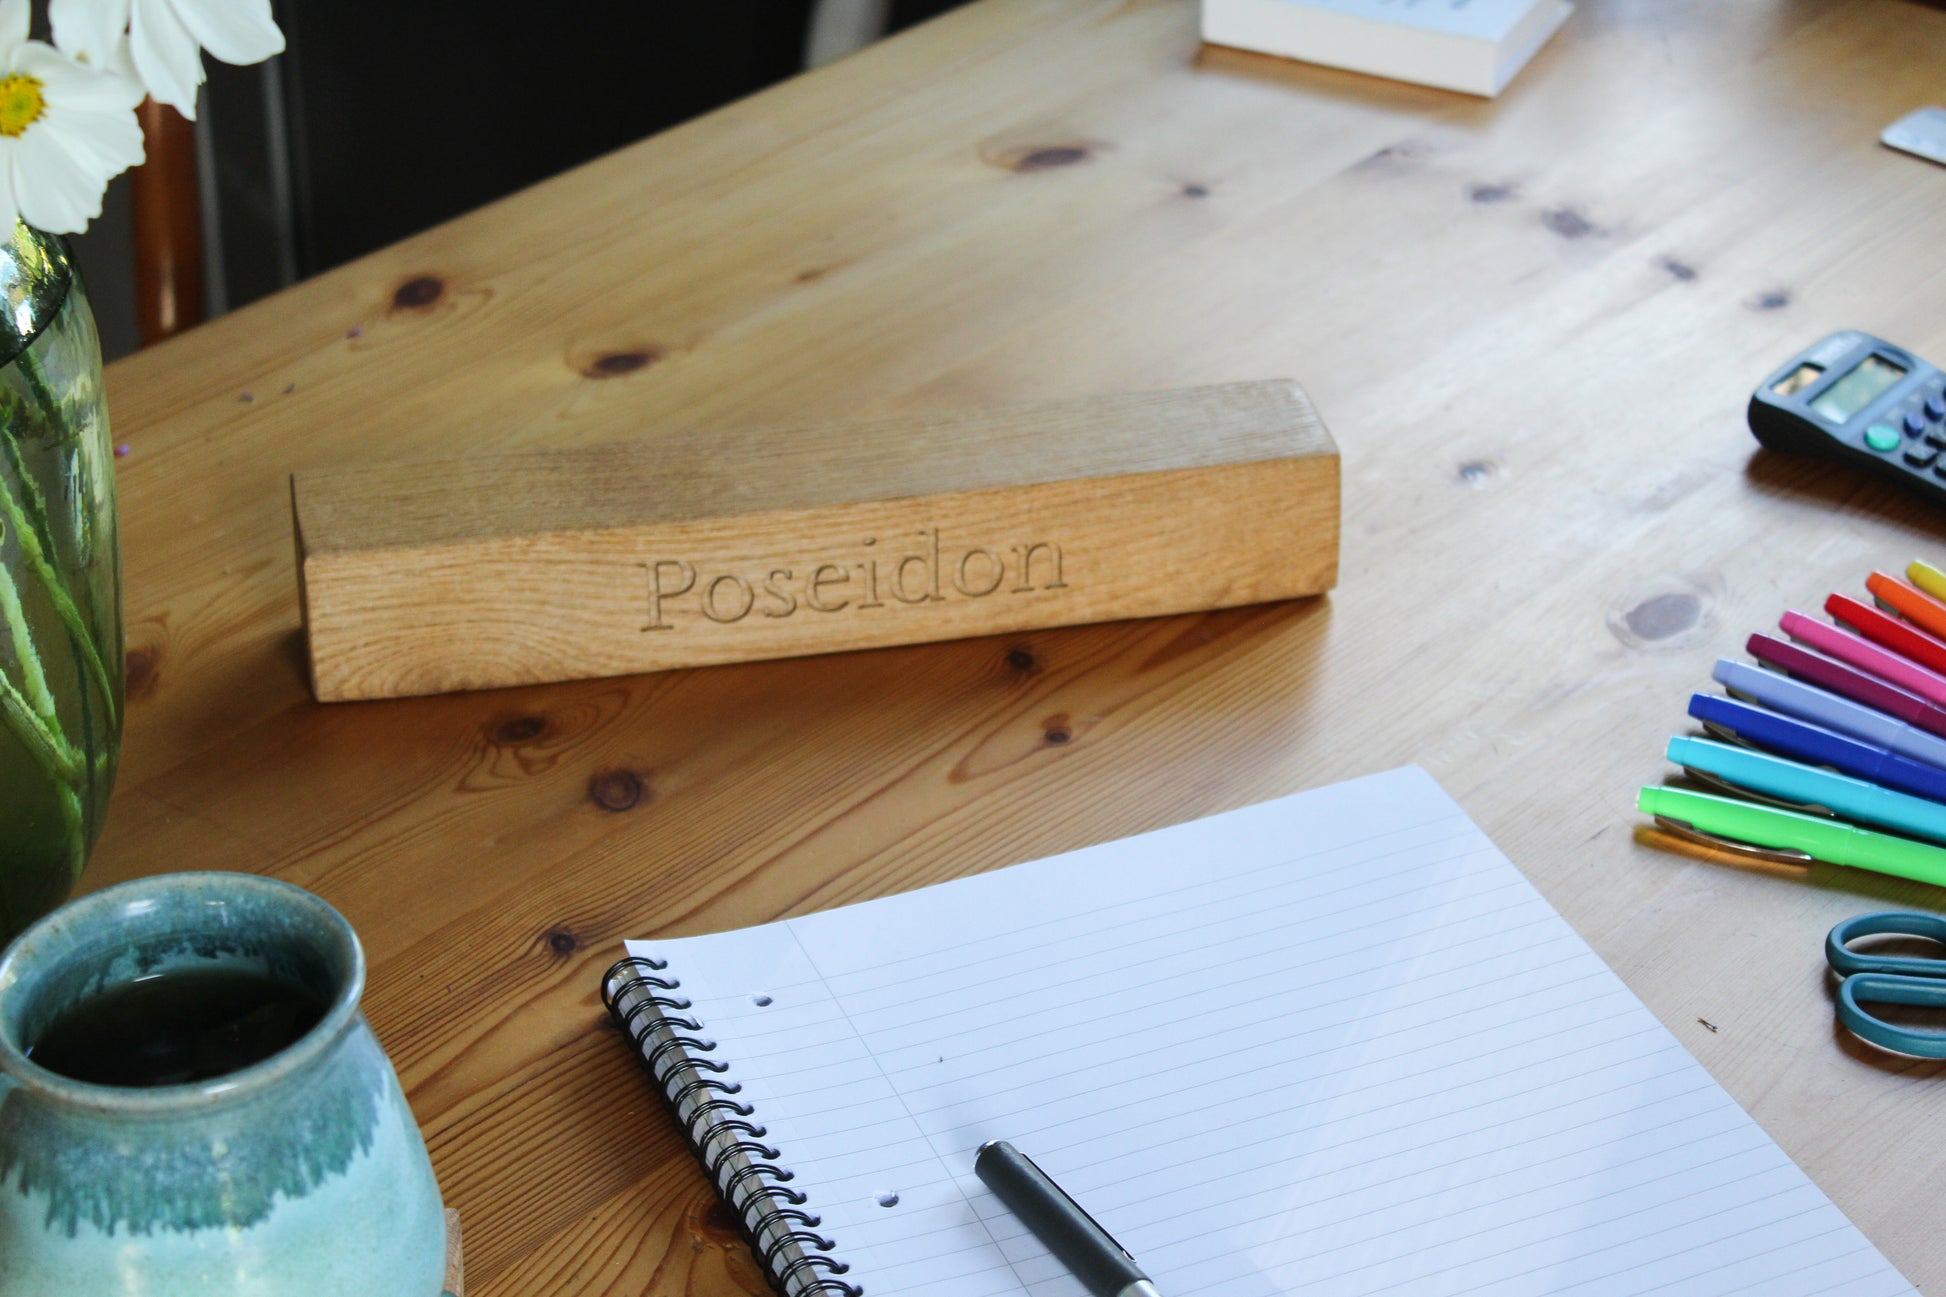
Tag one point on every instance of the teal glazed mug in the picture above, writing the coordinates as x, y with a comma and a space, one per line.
300, 1173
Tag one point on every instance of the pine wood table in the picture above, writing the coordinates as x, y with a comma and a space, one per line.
1531, 324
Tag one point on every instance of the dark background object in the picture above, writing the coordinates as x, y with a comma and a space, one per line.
382, 119
904, 13
166, 211
404, 115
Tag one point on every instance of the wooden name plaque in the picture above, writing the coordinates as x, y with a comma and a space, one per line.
528, 566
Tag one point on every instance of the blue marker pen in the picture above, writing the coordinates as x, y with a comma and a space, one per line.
1801, 741
1807, 702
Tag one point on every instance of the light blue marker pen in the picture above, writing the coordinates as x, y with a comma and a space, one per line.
1809, 787
1781, 693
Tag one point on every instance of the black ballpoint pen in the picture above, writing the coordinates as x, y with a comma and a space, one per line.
1102, 1265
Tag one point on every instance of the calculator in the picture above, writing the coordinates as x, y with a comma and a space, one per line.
1857, 398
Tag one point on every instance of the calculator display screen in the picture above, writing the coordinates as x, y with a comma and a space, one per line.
1858, 389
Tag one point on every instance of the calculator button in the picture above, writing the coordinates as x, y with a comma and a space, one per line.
1935, 408
1922, 456
1936, 439
1915, 423
1881, 438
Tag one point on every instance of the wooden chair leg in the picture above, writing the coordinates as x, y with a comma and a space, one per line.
168, 220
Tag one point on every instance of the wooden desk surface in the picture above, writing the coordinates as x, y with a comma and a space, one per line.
1531, 323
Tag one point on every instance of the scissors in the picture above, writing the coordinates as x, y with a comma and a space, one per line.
1889, 979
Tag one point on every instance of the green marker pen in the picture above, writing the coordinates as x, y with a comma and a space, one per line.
1790, 836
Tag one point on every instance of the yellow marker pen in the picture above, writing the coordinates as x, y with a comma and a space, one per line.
1927, 577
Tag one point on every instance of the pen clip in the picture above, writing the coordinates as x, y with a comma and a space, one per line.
1751, 794
1776, 855
1718, 730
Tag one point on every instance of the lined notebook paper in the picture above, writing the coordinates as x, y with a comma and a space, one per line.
1333, 1044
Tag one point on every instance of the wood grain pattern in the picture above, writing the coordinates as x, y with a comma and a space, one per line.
1532, 322
427, 576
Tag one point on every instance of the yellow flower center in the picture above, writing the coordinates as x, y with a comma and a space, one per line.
21, 104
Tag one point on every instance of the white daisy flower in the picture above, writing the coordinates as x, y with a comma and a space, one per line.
164, 40
65, 130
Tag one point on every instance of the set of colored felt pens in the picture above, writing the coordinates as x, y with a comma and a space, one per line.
1833, 745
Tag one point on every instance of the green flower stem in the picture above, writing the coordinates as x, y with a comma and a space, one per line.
28, 710
77, 834
31, 716
34, 541
49, 405
31, 670
36, 724
47, 746
29, 366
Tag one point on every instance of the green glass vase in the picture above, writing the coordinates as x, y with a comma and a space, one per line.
60, 581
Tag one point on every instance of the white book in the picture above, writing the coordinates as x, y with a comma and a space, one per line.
1333, 1045
1474, 46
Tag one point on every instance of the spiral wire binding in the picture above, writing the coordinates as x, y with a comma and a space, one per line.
719, 1129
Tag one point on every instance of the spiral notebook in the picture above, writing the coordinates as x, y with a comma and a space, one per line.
1332, 1045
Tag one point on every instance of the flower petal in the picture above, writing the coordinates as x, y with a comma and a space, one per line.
166, 55
75, 85
57, 193
14, 17
90, 30
9, 207
105, 142
236, 31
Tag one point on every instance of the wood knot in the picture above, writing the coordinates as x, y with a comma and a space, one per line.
562, 942
1399, 158
1050, 156
1774, 300
1492, 193
614, 364
521, 729
418, 293
1664, 615
139, 674
616, 790
1056, 731
720, 1222
1675, 269
1195, 191
1568, 223
1660, 618
1477, 472
1028, 158
1022, 660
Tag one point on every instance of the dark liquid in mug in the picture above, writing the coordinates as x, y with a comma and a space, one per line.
184, 1025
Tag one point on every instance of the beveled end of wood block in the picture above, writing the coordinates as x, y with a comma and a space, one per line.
695, 549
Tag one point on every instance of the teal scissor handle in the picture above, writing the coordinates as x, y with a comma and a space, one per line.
1891, 923
1886, 988
1889, 979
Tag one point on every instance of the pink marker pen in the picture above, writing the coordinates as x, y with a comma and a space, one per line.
1866, 656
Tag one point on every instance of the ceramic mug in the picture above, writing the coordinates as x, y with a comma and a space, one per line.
303, 1173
